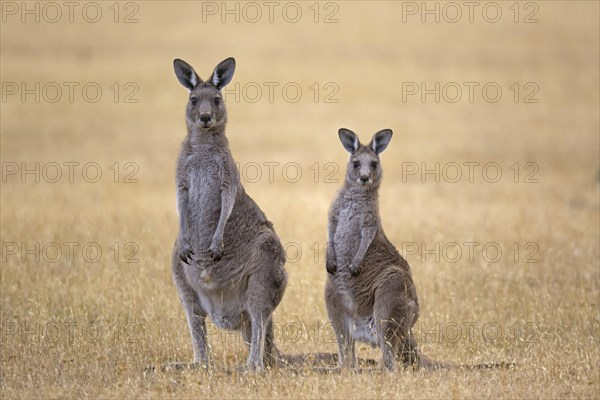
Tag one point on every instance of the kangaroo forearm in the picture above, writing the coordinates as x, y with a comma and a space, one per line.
183, 208
330, 236
366, 239
227, 201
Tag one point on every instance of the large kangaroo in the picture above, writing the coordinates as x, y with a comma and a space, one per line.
370, 294
228, 262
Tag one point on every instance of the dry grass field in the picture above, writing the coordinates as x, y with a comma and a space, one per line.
503, 239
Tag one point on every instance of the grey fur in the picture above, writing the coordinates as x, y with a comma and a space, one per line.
370, 294
228, 262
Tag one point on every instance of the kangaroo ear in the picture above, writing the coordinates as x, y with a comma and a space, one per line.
349, 140
381, 140
223, 73
186, 74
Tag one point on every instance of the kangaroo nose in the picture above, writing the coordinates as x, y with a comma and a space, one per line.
205, 118
364, 178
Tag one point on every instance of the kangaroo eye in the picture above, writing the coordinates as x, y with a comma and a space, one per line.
217, 101
374, 164
193, 101
356, 164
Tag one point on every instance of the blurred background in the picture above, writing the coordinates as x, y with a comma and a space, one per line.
490, 182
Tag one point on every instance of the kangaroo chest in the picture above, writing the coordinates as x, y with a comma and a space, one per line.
204, 193
204, 175
347, 234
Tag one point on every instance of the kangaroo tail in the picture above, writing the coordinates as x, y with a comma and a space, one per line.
426, 363
310, 358
429, 364
421, 361
313, 359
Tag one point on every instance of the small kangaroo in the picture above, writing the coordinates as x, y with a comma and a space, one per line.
370, 294
228, 262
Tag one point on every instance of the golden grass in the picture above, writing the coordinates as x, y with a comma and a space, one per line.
74, 328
